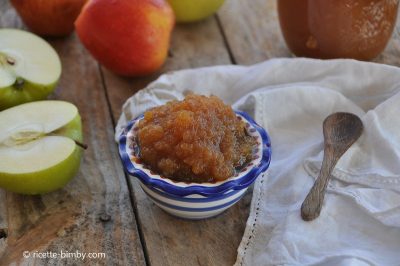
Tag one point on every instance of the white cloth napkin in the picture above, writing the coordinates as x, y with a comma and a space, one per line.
360, 220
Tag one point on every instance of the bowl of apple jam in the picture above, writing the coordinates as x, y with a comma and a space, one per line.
196, 157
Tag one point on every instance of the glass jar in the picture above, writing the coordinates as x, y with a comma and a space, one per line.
358, 29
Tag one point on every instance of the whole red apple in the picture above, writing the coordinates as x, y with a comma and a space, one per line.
49, 18
129, 37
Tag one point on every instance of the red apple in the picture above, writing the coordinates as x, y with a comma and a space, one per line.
129, 37
50, 18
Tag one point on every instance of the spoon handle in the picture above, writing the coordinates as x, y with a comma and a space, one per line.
311, 207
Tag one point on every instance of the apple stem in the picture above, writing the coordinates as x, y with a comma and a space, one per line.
82, 145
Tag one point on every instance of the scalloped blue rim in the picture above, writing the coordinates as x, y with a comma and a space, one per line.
237, 184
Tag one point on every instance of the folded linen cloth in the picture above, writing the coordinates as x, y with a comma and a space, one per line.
360, 220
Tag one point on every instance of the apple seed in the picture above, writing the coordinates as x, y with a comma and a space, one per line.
10, 61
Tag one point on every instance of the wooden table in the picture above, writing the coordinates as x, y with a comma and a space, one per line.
103, 210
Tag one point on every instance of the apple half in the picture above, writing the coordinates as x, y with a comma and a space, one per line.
29, 68
38, 146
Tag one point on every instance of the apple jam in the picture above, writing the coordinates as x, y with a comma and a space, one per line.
358, 29
199, 139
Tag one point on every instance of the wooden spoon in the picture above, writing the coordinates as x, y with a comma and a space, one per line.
341, 130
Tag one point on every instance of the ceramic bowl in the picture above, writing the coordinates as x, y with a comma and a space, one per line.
195, 200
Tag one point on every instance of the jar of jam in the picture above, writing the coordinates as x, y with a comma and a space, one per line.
358, 29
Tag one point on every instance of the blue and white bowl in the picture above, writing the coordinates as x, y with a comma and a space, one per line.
195, 200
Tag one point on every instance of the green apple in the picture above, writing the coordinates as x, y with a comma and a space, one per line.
29, 68
39, 146
190, 11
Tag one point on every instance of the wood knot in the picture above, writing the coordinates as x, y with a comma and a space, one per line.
3, 233
104, 217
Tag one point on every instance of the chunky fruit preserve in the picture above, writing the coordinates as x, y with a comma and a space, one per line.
196, 140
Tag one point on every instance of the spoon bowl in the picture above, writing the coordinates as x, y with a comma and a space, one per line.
342, 129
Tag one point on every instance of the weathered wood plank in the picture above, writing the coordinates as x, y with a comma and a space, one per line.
169, 240
253, 33
93, 213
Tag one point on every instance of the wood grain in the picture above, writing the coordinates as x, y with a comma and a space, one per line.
93, 213
169, 240
252, 30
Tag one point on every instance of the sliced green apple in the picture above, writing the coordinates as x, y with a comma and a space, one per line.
38, 146
29, 68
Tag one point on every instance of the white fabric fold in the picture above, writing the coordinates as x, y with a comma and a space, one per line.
360, 220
